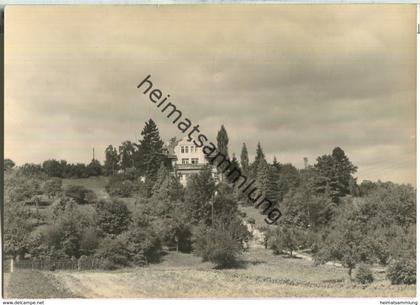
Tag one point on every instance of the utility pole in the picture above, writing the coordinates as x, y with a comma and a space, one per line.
212, 208
93, 155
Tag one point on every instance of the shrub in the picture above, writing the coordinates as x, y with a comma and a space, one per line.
88, 241
60, 205
364, 275
52, 187
78, 192
402, 271
286, 239
144, 245
218, 246
175, 233
118, 186
113, 217
113, 253
251, 220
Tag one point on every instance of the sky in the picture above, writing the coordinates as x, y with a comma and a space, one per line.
299, 79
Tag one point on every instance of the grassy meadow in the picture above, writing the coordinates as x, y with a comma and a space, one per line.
261, 274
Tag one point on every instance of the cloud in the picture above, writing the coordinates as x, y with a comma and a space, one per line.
300, 79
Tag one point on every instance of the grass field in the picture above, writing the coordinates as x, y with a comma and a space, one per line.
34, 285
184, 275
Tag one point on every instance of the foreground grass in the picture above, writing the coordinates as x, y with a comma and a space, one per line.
34, 285
262, 275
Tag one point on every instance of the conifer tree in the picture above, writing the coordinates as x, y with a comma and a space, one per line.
267, 181
150, 154
244, 159
199, 196
259, 157
334, 172
161, 175
223, 141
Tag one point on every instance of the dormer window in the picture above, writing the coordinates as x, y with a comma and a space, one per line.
186, 149
182, 149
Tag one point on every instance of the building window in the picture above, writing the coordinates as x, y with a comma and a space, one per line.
182, 149
185, 161
194, 161
196, 148
186, 149
192, 148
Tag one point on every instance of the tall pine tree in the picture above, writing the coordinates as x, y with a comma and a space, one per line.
267, 181
244, 159
223, 141
259, 157
334, 174
150, 154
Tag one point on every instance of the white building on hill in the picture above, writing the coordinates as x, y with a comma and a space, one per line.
187, 159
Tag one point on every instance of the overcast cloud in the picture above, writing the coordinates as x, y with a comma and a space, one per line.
300, 79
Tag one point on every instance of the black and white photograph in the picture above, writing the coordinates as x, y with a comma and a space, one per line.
209, 151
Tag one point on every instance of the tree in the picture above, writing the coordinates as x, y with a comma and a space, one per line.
244, 159
66, 235
94, 168
288, 178
259, 157
113, 217
52, 168
364, 275
175, 231
78, 192
219, 244
335, 173
119, 186
143, 243
31, 170
114, 253
199, 195
111, 160
127, 151
346, 241
20, 188
367, 187
150, 154
8, 164
78, 170
225, 207
161, 175
402, 271
267, 181
223, 141
17, 228
286, 239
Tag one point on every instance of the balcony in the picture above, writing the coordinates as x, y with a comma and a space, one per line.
189, 166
